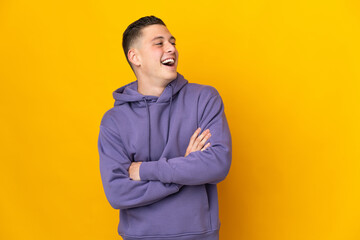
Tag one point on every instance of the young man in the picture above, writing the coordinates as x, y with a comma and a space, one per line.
155, 165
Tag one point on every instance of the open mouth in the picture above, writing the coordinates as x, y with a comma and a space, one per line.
168, 62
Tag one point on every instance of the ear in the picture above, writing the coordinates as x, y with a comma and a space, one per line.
133, 57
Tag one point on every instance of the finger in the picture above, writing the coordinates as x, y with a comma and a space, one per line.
205, 147
203, 141
193, 137
192, 140
200, 138
187, 152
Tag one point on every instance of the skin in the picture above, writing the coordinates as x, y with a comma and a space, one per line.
145, 55
198, 142
155, 44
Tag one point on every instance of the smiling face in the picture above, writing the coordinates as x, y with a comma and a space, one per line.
154, 56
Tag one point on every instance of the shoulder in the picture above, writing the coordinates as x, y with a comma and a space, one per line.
108, 118
201, 90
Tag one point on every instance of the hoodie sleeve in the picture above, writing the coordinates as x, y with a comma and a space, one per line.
120, 190
209, 166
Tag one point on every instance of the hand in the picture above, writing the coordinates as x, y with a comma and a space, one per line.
134, 171
197, 142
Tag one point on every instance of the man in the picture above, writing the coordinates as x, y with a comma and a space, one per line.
155, 165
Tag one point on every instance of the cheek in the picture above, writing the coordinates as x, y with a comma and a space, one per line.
151, 60
155, 57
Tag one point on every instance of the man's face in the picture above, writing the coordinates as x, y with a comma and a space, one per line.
157, 54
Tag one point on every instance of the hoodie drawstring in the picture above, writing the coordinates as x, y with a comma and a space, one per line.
167, 136
149, 127
149, 124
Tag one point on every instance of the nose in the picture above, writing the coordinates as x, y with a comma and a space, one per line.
170, 48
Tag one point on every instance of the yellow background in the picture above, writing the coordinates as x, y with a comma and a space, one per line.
288, 72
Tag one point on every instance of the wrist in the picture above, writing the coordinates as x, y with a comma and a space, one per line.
134, 171
148, 170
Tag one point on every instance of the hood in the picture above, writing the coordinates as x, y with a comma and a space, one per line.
129, 93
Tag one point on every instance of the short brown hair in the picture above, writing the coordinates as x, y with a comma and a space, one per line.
133, 31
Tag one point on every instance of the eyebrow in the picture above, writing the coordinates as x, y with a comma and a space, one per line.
160, 37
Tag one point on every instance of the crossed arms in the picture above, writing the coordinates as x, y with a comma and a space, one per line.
166, 176
197, 143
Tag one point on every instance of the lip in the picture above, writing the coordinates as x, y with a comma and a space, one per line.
174, 58
173, 66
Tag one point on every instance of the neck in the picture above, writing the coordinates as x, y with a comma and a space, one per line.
151, 87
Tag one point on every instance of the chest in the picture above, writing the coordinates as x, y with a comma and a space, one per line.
158, 131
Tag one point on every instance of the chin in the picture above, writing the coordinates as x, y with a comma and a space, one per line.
170, 76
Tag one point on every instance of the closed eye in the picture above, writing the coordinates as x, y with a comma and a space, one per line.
159, 44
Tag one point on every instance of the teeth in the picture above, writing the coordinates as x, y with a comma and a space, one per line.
170, 60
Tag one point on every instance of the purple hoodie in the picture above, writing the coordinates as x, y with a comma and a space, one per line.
177, 196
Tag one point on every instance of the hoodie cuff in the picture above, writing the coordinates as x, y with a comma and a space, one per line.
148, 171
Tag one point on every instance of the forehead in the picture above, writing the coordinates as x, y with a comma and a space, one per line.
148, 33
